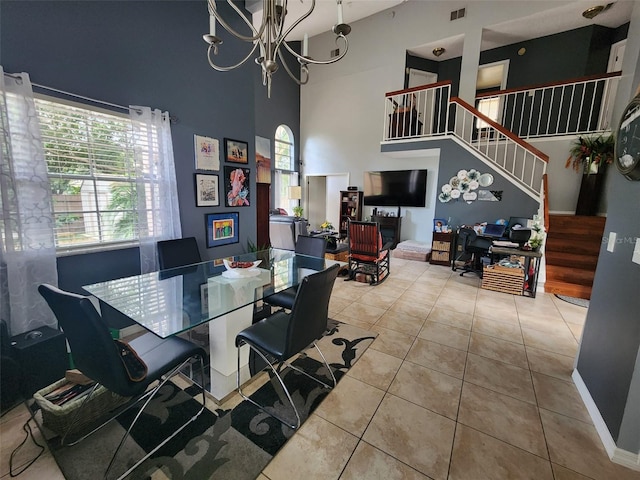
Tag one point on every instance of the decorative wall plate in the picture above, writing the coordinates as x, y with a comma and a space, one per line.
473, 185
462, 174
470, 197
485, 180
454, 182
455, 193
446, 188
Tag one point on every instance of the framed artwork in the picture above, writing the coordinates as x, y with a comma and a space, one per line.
236, 186
236, 151
263, 160
207, 152
222, 228
207, 190
438, 224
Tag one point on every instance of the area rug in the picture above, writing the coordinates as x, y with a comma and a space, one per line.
221, 444
581, 302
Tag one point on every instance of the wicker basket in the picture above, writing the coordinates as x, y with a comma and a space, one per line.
58, 418
503, 279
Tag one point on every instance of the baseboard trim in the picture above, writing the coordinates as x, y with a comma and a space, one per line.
617, 455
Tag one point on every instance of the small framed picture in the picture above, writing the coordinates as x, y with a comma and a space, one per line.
207, 190
236, 151
236, 186
207, 152
439, 225
222, 228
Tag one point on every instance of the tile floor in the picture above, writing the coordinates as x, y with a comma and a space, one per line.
461, 384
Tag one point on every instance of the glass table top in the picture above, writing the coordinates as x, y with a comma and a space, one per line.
175, 300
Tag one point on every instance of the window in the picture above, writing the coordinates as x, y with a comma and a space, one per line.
91, 168
285, 176
491, 108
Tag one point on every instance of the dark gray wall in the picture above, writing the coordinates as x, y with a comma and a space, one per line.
611, 335
152, 53
453, 158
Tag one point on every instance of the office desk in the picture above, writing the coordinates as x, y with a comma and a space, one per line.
531, 266
176, 300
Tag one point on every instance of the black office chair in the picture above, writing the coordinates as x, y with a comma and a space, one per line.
178, 252
469, 249
306, 245
283, 335
97, 356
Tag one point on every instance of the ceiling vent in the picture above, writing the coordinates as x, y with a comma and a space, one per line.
456, 14
335, 53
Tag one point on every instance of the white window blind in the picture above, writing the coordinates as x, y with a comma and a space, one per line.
491, 108
285, 176
91, 168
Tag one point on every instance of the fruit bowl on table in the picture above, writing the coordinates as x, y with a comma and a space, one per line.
240, 269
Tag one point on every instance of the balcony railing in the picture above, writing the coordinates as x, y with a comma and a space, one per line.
428, 111
568, 108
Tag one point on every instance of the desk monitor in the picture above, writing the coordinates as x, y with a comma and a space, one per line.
494, 230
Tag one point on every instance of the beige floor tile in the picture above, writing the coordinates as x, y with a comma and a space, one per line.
562, 473
401, 322
418, 310
559, 396
577, 446
376, 299
342, 291
428, 388
262, 477
363, 312
369, 462
427, 281
337, 304
503, 417
497, 313
545, 324
376, 369
445, 335
504, 331
564, 344
43, 468
465, 288
11, 435
576, 330
388, 290
341, 317
399, 423
450, 317
421, 297
543, 302
497, 349
351, 405
319, 450
438, 357
500, 377
392, 342
489, 298
457, 304
477, 456
549, 363
402, 281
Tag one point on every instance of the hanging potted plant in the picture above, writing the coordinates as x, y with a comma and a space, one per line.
591, 155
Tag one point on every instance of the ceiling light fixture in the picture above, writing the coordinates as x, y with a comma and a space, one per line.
438, 51
593, 12
270, 36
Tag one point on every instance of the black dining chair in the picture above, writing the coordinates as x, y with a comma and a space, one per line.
306, 245
470, 249
285, 334
178, 252
98, 357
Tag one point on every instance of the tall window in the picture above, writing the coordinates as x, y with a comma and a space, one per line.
491, 108
91, 167
285, 174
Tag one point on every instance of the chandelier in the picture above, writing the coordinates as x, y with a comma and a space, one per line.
271, 37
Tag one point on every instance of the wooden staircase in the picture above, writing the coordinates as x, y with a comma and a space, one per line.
571, 252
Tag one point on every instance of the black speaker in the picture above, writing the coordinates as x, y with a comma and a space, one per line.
42, 356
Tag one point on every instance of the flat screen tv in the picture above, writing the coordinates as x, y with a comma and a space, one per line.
395, 188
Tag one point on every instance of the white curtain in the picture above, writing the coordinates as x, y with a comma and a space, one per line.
27, 244
159, 215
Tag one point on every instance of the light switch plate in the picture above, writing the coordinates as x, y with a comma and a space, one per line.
636, 252
612, 241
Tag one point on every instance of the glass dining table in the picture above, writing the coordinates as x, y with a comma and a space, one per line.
211, 296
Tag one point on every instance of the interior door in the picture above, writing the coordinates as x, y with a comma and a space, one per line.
424, 101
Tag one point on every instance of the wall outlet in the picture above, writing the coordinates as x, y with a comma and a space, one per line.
636, 252
612, 241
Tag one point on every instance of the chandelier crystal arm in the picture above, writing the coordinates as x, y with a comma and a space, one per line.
304, 76
231, 67
309, 60
256, 33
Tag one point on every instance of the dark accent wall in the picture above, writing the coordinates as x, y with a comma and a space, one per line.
151, 53
611, 335
453, 158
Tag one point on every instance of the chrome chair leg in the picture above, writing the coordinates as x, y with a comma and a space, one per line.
176, 432
286, 391
326, 364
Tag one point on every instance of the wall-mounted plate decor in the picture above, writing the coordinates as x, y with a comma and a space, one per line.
485, 180
455, 193
470, 197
